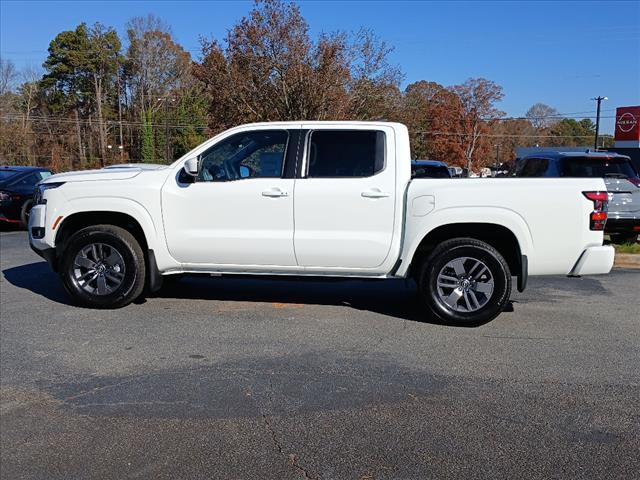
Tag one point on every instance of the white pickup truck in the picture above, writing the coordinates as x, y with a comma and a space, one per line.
329, 199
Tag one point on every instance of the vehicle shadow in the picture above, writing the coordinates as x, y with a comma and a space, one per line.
39, 279
394, 298
10, 227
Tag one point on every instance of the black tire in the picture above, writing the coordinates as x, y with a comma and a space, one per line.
619, 238
132, 272
24, 213
498, 279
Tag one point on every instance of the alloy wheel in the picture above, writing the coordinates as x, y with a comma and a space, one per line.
465, 284
99, 269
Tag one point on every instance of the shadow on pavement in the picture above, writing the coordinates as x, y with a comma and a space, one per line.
394, 298
38, 278
251, 386
10, 227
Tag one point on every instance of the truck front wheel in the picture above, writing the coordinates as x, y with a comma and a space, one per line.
464, 282
103, 267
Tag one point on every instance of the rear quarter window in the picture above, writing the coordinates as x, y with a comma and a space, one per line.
596, 167
534, 167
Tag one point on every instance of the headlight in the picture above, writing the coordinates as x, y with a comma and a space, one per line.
40, 189
4, 196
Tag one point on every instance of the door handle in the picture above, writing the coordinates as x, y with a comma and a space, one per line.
375, 193
275, 192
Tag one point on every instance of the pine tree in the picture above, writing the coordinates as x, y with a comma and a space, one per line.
147, 152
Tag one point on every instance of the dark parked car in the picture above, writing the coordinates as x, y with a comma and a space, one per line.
619, 174
16, 191
429, 169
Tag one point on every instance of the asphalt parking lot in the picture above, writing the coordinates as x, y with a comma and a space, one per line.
236, 378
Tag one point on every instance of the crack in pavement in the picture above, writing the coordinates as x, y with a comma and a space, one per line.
292, 457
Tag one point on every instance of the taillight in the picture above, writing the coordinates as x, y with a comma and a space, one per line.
598, 217
635, 181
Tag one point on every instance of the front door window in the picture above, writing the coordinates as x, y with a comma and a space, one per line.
257, 154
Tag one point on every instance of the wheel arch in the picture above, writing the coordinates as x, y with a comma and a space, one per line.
79, 220
498, 236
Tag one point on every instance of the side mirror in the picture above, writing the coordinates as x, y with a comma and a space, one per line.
191, 166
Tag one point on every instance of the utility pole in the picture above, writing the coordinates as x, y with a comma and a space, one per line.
165, 101
599, 101
121, 146
497, 156
166, 129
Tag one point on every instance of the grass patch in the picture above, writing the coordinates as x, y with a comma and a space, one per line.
628, 248
623, 247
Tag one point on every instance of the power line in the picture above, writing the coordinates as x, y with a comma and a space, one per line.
421, 132
65, 120
498, 135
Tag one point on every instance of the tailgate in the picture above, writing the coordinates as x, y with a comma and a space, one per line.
624, 196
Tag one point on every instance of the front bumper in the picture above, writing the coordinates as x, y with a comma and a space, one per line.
594, 261
37, 241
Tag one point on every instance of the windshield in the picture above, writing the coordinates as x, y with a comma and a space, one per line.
420, 171
597, 167
7, 174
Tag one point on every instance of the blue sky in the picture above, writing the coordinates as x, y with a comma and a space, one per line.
559, 53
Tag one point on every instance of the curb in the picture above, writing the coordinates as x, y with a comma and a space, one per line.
627, 260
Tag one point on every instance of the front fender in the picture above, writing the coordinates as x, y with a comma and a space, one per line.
119, 205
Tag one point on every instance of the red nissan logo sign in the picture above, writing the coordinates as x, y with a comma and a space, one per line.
627, 122
628, 125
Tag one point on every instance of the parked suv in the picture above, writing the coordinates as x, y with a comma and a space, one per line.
619, 174
16, 191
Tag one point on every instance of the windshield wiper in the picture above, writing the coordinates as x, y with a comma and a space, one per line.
616, 175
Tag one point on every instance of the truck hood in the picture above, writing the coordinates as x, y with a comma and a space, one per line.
113, 172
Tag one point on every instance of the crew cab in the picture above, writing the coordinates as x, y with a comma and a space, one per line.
329, 199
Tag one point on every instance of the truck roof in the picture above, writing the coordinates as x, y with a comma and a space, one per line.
346, 123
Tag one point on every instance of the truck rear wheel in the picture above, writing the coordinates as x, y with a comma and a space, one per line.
103, 267
464, 282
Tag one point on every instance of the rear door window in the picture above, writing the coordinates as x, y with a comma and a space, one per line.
345, 153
